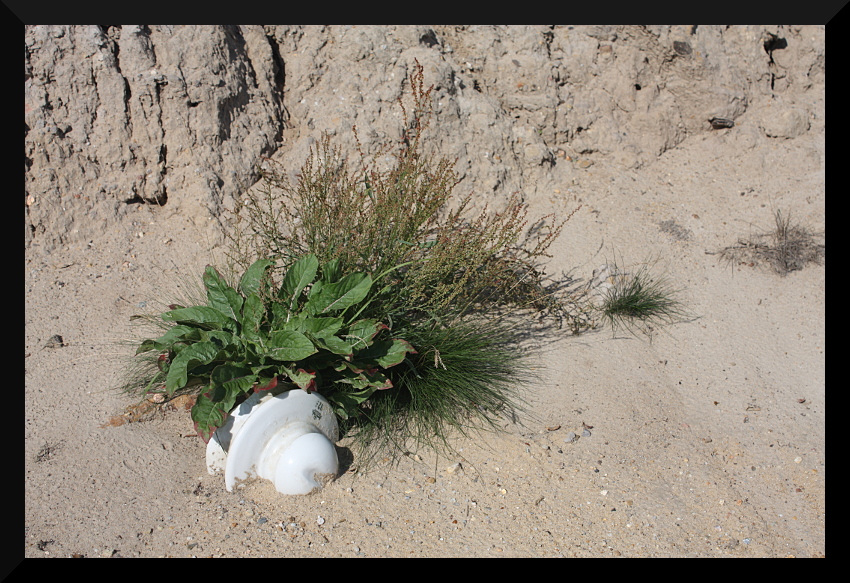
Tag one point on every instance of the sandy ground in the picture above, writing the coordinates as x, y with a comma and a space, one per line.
707, 441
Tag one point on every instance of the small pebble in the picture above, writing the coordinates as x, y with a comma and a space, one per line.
320, 521
262, 520
585, 433
55, 341
571, 437
719, 123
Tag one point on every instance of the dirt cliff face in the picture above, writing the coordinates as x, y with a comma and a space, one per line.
123, 115
181, 116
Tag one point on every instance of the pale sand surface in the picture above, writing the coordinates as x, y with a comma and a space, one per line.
699, 444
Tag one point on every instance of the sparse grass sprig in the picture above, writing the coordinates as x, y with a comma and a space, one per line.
142, 375
641, 301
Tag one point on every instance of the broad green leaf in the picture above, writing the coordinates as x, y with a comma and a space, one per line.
178, 347
209, 415
361, 374
304, 379
289, 345
335, 345
322, 327
361, 333
221, 296
235, 379
175, 334
378, 380
354, 376
315, 289
318, 327
280, 314
217, 393
347, 292
145, 346
299, 276
252, 279
385, 353
346, 367
363, 378
347, 404
203, 315
294, 325
252, 316
331, 271
199, 353
221, 338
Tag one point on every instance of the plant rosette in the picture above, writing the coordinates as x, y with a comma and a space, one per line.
305, 334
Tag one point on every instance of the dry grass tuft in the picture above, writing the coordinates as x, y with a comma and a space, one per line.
788, 247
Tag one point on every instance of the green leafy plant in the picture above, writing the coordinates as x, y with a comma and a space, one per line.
307, 333
403, 307
456, 281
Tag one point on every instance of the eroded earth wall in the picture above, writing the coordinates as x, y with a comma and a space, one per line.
181, 116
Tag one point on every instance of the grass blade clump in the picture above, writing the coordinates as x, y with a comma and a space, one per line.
641, 301
465, 379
